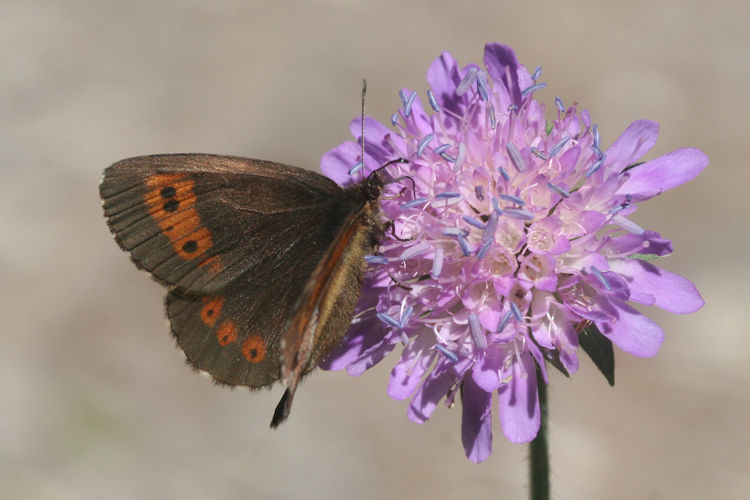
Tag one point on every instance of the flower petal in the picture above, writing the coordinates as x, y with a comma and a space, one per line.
476, 421
443, 77
486, 372
435, 387
638, 138
632, 332
336, 163
501, 63
519, 402
668, 290
663, 173
414, 362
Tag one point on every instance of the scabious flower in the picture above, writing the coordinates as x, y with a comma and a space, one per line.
510, 236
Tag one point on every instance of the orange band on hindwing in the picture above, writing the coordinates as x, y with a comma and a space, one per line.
171, 202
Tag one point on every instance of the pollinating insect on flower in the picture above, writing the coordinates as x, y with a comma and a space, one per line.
511, 245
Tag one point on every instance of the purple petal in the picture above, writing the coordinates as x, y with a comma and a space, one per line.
667, 290
435, 387
336, 163
414, 362
648, 242
370, 358
361, 337
665, 172
632, 332
443, 77
501, 62
638, 138
486, 372
476, 421
519, 402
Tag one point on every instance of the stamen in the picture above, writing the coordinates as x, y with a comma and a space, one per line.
388, 320
413, 203
504, 322
559, 146
448, 354
445, 156
489, 231
602, 279
376, 259
474, 222
533, 88
599, 153
441, 148
496, 206
404, 338
537, 73
537, 153
467, 81
594, 167
356, 168
463, 244
559, 104
423, 144
513, 199
477, 332
433, 101
518, 213
405, 317
460, 157
516, 311
408, 103
485, 248
504, 173
479, 192
437, 261
414, 251
515, 157
618, 208
481, 87
394, 119
452, 231
562, 192
403, 97
493, 120
448, 194
628, 225
597, 138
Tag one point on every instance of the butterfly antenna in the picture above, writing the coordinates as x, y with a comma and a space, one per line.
362, 135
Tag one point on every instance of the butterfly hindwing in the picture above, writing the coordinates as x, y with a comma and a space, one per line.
200, 221
233, 334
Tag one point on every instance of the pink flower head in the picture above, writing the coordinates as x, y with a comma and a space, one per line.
513, 240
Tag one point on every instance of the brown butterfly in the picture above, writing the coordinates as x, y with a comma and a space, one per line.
264, 262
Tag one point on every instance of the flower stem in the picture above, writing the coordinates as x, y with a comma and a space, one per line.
539, 451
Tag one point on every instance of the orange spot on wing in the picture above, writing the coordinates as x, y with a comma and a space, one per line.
171, 202
214, 262
211, 310
227, 333
254, 349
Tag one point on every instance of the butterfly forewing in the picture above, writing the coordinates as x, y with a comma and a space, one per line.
200, 221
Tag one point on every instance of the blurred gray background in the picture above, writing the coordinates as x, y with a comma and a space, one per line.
96, 401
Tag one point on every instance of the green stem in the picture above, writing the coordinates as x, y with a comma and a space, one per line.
539, 451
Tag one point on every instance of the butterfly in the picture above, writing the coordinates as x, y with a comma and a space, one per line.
263, 262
